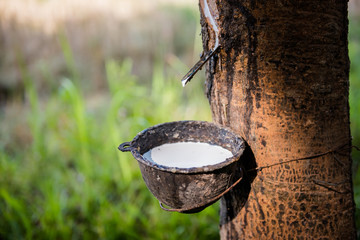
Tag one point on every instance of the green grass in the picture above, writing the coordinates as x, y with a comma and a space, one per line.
71, 182
354, 100
62, 176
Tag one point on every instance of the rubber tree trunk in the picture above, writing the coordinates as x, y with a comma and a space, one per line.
281, 81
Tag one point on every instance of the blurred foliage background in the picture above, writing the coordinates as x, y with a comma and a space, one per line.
77, 78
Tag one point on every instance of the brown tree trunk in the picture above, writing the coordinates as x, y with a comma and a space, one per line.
281, 81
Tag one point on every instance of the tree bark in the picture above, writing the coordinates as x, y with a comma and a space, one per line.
281, 81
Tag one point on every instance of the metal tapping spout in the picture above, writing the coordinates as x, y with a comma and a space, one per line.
204, 56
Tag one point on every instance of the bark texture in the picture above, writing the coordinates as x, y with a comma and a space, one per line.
281, 82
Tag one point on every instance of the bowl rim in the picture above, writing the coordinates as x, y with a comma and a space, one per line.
204, 169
